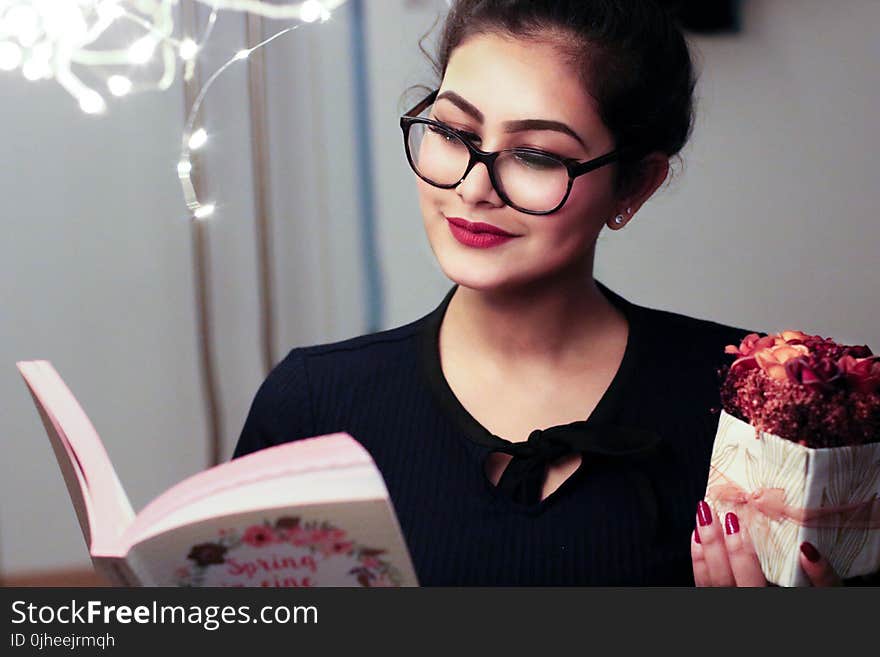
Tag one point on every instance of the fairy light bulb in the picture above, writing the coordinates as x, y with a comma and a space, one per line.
10, 56
188, 49
91, 102
311, 11
184, 168
24, 22
204, 211
242, 54
119, 85
197, 139
141, 51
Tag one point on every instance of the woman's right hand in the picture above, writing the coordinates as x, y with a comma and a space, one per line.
723, 555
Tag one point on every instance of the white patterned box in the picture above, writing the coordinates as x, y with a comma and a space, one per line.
786, 493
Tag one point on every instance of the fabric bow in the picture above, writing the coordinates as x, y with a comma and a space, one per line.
524, 476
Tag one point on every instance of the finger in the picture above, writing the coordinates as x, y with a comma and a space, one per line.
714, 548
701, 570
743, 560
817, 568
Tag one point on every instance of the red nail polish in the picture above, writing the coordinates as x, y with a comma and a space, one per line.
704, 513
697, 536
810, 552
731, 523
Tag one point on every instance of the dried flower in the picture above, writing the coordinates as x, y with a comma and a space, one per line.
805, 388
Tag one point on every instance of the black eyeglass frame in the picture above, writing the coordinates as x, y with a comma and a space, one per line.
574, 167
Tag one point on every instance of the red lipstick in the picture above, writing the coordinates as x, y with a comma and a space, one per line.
477, 234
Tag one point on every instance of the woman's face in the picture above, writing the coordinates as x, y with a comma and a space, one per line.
503, 80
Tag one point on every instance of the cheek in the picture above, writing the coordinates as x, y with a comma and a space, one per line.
593, 195
580, 221
428, 201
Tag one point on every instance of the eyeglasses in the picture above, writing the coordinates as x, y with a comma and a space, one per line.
526, 179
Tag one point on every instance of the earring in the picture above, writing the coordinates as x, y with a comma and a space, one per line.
618, 219
629, 210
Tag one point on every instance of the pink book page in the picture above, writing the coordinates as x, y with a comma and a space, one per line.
297, 457
80, 454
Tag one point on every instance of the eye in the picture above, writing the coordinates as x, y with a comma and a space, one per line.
446, 135
536, 159
469, 136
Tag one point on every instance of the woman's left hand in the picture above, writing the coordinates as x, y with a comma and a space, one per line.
723, 555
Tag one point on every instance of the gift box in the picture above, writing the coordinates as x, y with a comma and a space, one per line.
785, 493
797, 452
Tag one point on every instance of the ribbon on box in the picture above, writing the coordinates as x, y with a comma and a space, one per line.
769, 504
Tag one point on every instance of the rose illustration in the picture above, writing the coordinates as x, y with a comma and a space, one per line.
258, 536
206, 554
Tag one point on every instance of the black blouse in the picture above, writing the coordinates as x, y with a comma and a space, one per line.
623, 518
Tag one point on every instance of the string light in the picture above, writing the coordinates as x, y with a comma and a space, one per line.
193, 139
10, 56
197, 139
91, 102
204, 211
119, 85
188, 49
61, 39
141, 51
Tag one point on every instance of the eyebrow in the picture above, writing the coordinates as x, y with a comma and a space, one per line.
511, 126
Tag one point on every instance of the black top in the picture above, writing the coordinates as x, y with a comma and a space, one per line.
623, 518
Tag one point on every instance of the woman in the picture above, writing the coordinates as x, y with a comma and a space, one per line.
537, 428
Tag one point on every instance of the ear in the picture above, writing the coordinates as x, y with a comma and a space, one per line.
653, 170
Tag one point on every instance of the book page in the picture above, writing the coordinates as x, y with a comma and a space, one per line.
355, 543
101, 504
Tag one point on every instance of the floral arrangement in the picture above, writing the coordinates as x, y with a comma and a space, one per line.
321, 540
804, 388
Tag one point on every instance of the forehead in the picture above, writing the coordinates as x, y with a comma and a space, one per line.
508, 78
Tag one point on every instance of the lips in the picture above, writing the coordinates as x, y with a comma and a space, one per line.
478, 227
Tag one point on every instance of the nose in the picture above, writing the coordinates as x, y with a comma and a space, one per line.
477, 187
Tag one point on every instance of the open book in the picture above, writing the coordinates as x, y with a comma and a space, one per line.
312, 512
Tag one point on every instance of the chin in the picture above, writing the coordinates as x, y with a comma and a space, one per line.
474, 271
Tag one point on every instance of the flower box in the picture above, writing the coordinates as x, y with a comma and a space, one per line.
785, 493
797, 452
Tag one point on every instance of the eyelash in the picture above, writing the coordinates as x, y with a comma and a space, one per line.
470, 136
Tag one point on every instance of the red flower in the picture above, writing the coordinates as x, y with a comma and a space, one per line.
862, 374
860, 351
822, 374
258, 536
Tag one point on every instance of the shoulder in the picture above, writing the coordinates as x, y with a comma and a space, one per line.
685, 353
688, 336
292, 400
353, 355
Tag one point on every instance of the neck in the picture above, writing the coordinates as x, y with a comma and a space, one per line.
547, 323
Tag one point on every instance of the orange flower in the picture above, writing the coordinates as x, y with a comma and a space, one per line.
789, 336
772, 359
749, 345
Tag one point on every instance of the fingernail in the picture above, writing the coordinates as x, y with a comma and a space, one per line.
731, 523
704, 513
810, 552
697, 536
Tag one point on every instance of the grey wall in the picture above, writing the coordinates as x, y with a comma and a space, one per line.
770, 224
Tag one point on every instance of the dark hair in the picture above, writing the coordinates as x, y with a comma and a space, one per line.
631, 55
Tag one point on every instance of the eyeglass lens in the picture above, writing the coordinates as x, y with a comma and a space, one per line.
530, 181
